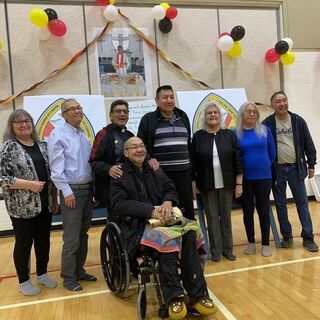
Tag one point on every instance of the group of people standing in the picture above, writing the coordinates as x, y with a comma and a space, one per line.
245, 163
249, 162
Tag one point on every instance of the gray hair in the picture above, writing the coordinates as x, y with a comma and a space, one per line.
202, 118
65, 103
8, 133
259, 129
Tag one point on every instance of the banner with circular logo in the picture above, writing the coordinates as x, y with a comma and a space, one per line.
228, 101
46, 112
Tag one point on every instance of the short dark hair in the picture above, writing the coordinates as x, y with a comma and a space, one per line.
120, 47
276, 93
163, 88
118, 102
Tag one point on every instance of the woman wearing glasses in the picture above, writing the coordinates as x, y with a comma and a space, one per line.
107, 152
258, 152
28, 194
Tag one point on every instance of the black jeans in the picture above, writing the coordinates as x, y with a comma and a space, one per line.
27, 231
183, 183
257, 193
191, 271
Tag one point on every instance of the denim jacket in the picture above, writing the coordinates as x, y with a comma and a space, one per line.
16, 163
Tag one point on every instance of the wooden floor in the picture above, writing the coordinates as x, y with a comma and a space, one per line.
283, 286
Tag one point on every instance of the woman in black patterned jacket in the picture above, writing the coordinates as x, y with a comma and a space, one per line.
28, 194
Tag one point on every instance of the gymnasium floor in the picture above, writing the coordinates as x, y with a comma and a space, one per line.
283, 286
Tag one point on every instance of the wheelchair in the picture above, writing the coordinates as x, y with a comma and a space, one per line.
116, 269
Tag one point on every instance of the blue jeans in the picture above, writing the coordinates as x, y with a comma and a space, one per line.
290, 173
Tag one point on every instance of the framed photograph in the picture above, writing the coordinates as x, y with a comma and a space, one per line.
123, 64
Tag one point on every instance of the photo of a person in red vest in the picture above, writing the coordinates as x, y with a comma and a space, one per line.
120, 62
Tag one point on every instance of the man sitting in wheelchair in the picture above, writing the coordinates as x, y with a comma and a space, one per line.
142, 193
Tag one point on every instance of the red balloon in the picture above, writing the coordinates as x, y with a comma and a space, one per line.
57, 27
171, 13
102, 2
224, 34
271, 56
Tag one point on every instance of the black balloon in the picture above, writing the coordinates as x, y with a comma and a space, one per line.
51, 14
165, 25
281, 47
237, 33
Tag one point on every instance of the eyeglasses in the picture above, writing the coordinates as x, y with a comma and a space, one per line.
251, 111
119, 111
21, 122
73, 109
136, 147
209, 113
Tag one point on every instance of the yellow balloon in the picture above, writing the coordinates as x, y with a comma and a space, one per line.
38, 17
112, 1
165, 5
236, 50
288, 58
0, 45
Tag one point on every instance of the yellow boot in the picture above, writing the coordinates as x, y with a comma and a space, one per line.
177, 309
205, 306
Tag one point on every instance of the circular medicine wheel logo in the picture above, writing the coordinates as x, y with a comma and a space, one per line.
228, 112
51, 118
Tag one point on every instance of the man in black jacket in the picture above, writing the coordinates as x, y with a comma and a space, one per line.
134, 197
107, 152
166, 133
296, 158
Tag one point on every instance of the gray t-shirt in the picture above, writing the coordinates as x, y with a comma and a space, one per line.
285, 143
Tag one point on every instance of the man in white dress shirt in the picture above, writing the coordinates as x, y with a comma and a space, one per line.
69, 152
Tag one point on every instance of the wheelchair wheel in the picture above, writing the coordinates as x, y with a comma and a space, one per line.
114, 260
142, 303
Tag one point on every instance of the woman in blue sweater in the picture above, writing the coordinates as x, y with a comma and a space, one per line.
258, 152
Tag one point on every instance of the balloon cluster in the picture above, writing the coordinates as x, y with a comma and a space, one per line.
165, 13
47, 23
281, 51
230, 42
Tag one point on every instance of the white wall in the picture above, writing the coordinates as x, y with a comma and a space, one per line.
302, 85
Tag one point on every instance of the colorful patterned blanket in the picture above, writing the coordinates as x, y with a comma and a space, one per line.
169, 239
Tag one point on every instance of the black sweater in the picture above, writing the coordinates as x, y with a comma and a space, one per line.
202, 155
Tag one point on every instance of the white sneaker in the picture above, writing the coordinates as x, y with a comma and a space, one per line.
46, 281
28, 289
250, 249
266, 251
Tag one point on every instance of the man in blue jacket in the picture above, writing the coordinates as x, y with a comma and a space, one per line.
296, 158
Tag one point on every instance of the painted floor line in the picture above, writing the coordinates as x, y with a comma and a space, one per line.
61, 298
264, 266
221, 306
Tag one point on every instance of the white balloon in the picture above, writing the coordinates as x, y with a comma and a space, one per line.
43, 33
111, 12
158, 12
289, 41
225, 43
